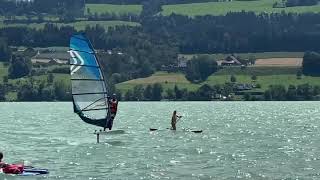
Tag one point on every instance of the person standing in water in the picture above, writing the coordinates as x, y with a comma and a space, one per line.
174, 120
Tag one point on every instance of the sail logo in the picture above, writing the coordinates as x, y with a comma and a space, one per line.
76, 61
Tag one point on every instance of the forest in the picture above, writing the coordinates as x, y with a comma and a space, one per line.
158, 41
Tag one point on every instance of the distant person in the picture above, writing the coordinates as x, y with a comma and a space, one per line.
174, 120
2, 164
10, 168
113, 105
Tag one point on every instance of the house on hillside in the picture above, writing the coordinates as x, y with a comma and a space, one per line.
181, 65
230, 61
51, 58
243, 87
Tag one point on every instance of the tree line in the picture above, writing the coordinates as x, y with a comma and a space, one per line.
143, 1
227, 91
291, 3
56, 7
232, 33
32, 89
160, 39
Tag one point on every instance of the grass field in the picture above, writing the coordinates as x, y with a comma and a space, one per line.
258, 71
273, 62
266, 81
222, 8
80, 25
110, 8
167, 80
263, 55
272, 77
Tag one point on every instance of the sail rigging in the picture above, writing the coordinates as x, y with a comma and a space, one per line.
89, 91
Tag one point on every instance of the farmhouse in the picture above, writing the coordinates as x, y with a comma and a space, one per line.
51, 57
181, 65
231, 61
242, 87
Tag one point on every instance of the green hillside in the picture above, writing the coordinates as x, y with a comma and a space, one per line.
222, 8
262, 55
168, 80
110, 8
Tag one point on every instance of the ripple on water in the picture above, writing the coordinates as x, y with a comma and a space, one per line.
245, 140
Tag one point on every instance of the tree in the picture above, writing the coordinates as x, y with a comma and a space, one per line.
28, 93
178, 93
47, 93
5, 52
205, 93
50, 78
151, 8
199, 68
147, 93
170, 94
146, 69
5, 79
19, 67
247, 96
233, 79
60, 90
116, 78
291, 93
157, 92
227, 89
138, 93
305, 91
299, 74
2, 93
311, 63
128, 96
276, 92
254, 78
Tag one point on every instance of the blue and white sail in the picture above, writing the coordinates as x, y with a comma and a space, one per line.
89, 90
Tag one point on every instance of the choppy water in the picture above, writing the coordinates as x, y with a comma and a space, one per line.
257, 140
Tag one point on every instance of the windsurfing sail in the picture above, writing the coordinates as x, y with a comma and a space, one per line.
88, 85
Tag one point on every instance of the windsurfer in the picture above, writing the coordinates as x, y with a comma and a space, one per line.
113, 104
174, 120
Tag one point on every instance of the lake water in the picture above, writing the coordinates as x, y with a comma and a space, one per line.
240, 140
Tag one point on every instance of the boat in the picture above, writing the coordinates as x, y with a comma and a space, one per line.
88, 85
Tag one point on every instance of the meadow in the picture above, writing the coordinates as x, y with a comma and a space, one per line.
222, 8
262, 55
167, 80
266, 76
110, 8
